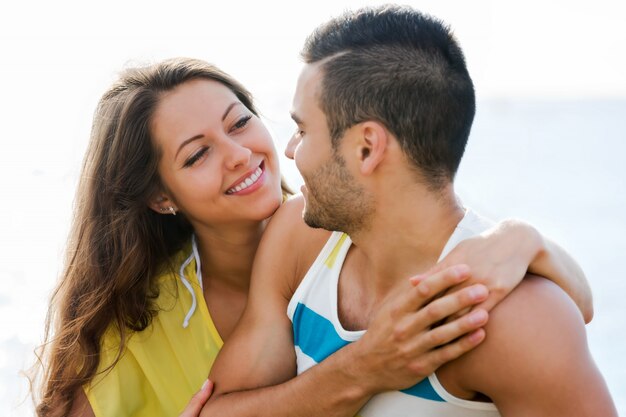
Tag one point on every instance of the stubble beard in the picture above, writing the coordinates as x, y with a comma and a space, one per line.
335, 201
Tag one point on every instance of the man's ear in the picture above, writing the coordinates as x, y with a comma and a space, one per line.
162, 204
371, 146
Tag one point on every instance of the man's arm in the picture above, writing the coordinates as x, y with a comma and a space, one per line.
535, 361
253, 372
501, 256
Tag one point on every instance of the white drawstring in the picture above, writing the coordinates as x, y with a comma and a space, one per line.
194, 247
194, 255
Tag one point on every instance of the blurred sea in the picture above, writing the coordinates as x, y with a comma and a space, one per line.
559, 164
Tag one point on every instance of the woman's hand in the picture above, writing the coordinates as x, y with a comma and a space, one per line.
500, 257
198, 400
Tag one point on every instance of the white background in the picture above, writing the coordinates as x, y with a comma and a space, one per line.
547, 145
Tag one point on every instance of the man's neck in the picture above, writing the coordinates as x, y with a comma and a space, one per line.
406, 234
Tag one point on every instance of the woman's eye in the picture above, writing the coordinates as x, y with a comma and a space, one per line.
195, 157
242, 122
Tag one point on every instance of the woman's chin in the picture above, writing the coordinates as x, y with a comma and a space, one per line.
270, 208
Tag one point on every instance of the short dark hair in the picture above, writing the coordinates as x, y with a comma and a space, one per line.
404, 69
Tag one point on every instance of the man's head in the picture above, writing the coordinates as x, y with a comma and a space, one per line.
404, 69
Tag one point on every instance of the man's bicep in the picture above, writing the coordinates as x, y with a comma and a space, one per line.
540, 362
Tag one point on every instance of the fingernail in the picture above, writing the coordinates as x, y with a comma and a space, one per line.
462, 269
477, 317
417, 279
478, 292
476, 336
206, 384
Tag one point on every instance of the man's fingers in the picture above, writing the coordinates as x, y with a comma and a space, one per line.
440, 309
432, 285
428, 363
198, 400
448, 332
413, 327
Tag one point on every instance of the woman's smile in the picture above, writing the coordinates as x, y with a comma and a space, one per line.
250, 182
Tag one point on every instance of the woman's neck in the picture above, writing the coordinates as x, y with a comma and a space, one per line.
227, 253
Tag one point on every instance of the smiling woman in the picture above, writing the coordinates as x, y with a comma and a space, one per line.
127, 250
218, 162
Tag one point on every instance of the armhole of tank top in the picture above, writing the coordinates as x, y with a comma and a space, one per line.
306, 281
443, 393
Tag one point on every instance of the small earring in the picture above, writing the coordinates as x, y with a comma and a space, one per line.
172, 210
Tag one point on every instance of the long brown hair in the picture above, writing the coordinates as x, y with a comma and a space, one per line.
117, 244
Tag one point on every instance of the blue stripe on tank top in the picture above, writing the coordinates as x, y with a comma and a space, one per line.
317, 338
315, 335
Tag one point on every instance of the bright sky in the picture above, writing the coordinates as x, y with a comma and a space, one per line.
59, 56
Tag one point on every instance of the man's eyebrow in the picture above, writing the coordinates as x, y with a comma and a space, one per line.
295, 118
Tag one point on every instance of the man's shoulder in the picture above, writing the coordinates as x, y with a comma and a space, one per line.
527, 334
537, 306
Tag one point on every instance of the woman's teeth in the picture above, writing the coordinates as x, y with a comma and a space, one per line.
247, 182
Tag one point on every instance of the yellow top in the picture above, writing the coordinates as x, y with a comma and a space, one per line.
163, 365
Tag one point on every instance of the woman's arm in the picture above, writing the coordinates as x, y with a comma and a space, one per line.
501, 256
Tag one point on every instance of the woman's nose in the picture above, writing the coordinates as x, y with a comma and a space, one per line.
237, 155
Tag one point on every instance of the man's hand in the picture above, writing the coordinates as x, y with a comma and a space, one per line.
198, 400
401, 348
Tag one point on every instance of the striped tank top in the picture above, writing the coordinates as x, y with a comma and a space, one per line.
318, 333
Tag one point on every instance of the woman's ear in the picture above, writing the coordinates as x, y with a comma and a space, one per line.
371, 146
162, 204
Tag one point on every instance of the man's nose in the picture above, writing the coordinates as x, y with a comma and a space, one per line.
292, 145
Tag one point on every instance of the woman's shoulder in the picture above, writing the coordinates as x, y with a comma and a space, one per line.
288, 220
287, 230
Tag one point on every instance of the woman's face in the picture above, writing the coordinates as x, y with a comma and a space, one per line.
218, 163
